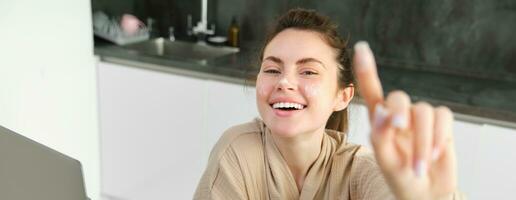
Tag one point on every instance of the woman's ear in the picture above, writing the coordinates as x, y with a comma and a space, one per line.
344, 96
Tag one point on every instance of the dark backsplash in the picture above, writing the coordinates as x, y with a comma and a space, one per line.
472, 38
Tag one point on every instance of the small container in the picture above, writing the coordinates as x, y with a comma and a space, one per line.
233, 33
217, 40
189, 26
151, 26
171, 36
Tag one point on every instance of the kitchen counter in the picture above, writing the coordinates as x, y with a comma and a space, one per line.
472, 99
235, 68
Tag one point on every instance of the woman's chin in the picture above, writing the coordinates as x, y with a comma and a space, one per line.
285, 130
287, 127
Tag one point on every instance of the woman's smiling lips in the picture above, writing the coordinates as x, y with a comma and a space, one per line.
286, 107
286, 100
285, 113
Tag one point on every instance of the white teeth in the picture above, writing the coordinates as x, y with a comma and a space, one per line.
287, 105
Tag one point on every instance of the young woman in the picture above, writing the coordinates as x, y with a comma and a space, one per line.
298, 149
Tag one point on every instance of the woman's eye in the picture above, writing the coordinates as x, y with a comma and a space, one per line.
309, 73
271, 71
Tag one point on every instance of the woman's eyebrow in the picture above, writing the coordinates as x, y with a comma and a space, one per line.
307, 60
274, 59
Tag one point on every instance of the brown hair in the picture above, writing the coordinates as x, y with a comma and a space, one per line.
310, 20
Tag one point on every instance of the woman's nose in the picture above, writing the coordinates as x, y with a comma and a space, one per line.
286, 84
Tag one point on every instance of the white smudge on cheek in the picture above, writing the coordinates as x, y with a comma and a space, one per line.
262, 91
311, 90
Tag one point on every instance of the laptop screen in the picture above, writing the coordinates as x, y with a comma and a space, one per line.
29, 170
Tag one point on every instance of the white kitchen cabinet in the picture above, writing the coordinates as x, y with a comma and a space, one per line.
486, 160
227, 105
157, 129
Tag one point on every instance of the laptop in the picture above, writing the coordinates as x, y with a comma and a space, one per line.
29, 171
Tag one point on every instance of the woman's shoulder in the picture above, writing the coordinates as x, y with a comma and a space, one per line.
346, 149
245, 132
364, 165
358, 156
365, 156
234, 156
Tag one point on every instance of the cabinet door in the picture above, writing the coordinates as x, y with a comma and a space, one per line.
226, 105
486, 160
151, 133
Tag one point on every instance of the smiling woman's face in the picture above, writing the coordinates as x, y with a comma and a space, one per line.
296, 88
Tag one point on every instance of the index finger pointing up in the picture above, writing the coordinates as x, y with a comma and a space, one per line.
367, 76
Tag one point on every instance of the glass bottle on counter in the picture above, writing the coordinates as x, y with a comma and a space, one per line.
233, 33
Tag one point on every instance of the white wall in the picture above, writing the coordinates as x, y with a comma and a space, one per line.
48, 79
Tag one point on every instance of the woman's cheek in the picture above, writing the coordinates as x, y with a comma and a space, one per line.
311, 90
263, 88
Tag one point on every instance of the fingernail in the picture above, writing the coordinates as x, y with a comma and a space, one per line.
421, 168
399, 121
435, 154
361, 46
379, 115
365, 57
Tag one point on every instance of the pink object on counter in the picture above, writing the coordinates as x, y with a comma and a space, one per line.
130, 24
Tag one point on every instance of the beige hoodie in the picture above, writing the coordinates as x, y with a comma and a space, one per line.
246, 164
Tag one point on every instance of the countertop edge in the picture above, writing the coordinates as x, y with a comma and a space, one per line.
460, 111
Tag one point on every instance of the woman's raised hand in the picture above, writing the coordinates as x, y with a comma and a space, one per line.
413, 142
